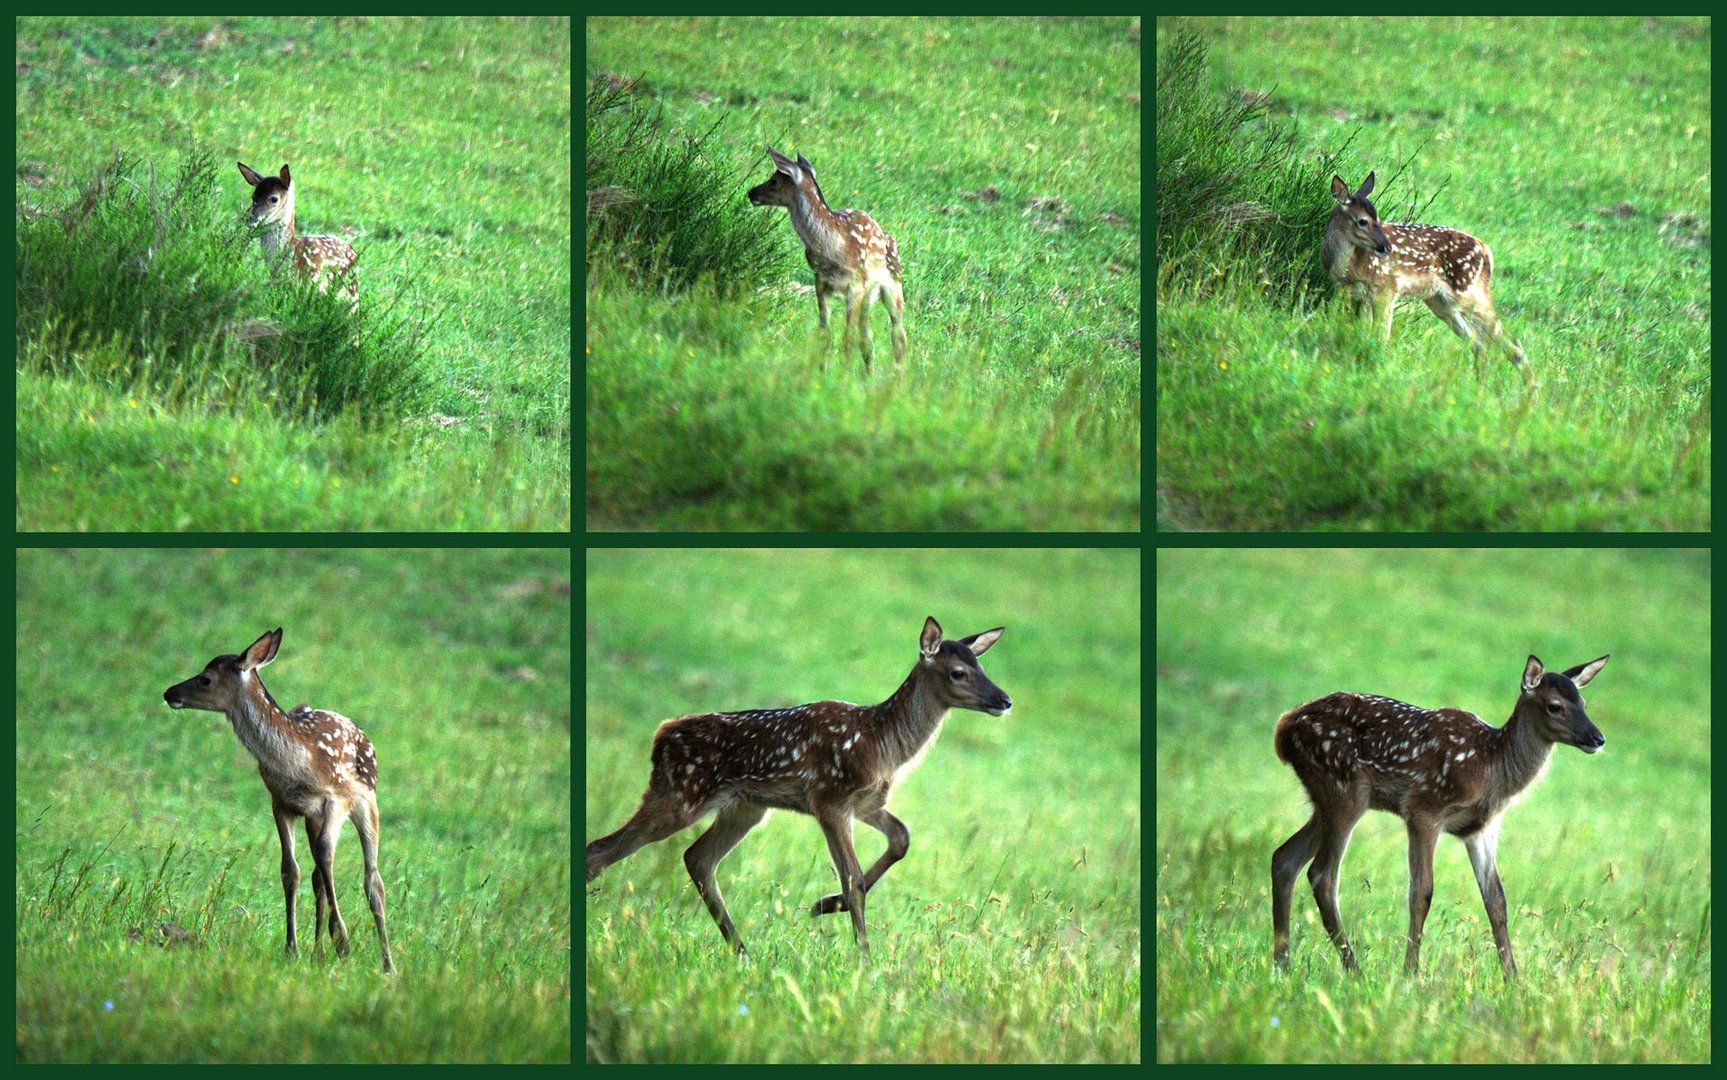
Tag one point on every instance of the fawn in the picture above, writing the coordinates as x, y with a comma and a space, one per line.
829, 759
846, 249
1378, 263
317, 765
319, 258
1437, 769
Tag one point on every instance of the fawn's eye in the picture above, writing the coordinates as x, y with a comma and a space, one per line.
203, 680
1553, 707
957, 674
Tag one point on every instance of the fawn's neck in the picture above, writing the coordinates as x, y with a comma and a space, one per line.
1337, 252
816, 225
907, 720
265, 730
1523, 755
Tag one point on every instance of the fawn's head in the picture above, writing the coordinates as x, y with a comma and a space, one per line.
950, 667
1359, 220
1551, 702
789, 177
220, 686
272, 196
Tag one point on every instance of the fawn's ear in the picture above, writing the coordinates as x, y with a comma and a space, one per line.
262, 651
1339, 189
1366, 188
1532, 673
807, 167
930, 643
251, 177
285, 177
1582, 673
977, 643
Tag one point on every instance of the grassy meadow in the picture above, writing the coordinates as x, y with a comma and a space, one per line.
150, 920
1003, 156
1605, 862
1579, 150
165, 380
1009, 933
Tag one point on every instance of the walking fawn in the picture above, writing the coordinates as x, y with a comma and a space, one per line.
316, 764
830, 759
1437, 769
846, 249
319, 258
1379, 263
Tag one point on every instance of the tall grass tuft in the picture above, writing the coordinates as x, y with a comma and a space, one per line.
1237, 201
165, 275
668, 209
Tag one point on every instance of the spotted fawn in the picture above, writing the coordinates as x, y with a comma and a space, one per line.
1379, 263
830, 759
848, 252
316, 764
320, 258
1440, 770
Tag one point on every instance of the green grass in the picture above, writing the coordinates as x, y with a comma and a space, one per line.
1003, 157
1011, 930
164, 388
1277, 412
456, 665
1606, 861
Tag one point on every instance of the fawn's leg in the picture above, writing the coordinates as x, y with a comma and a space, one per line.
1423, 835
1322, 875
824, 296
1286, 862
660, 815
290, 868
1481, 856
365, 820
857, 317
898, 841
836, 826
732, 824
896, 311
1450, 312
320, 887
1488, 319
324, 854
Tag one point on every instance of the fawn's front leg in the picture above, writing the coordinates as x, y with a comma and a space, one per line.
836, 826
824, 296
898, 842
290, 868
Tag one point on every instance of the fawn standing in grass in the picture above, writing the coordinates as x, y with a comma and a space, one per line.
847, 250
830, 759
319, 258
1440, 770
1379, 263
317, 765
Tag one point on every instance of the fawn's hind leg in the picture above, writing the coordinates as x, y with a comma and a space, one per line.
659, 817
895, 297
703, 856
857, 319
